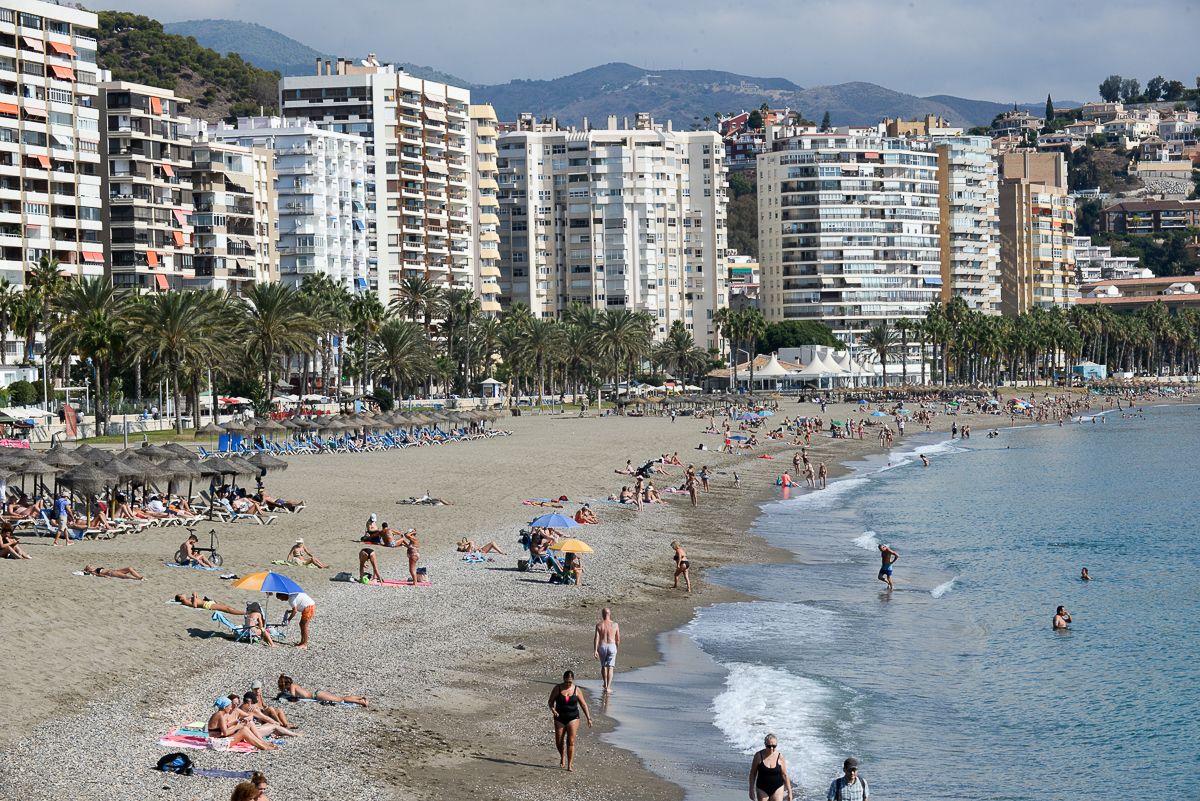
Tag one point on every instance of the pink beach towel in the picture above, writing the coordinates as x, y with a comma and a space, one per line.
405, 583
190, 738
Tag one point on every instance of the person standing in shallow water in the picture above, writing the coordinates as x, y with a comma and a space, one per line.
888, 558
769, 779
566, 700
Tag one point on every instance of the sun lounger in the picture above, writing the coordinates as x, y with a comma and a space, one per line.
243, 634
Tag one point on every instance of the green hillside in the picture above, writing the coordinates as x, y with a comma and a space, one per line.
136, 48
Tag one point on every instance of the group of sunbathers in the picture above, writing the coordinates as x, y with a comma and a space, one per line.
389, 537
253, 620
248, 718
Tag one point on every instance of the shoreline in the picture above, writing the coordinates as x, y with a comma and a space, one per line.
455, 705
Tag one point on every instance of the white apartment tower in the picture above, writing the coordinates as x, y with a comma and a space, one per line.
420, 193
233, 191
848, 228
147, 186
968, 190
622, 217
487, 221
321, 184
50, 200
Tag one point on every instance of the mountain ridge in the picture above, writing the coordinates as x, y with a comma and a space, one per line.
687, 98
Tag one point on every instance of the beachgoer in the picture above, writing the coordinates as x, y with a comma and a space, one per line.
246, 791
1084, 575
413, 556
367, 556
226, 730
10, 546
250, 714
372, 524
62, 509
924, 460
769, 780
468, 546
888, 557
585, 515
302, 604
302, 556
1062, 618
689, 483
822, 475
682, 566
255, 623
274, 712
704, 475
259, 781
573, 567
114, 572
605, 643
566, 700
188, 555
195, 601
289, 690
849, 786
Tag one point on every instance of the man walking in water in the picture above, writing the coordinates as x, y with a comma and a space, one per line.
889, 558
605, 643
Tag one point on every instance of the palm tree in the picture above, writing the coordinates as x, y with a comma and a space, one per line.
173, 330
621, 336
366, 316
43, 282
88, 324
754, 327
905, 326
400, 352
8, 306
540, 343
418, 298
881, 339
461, 307
276, 322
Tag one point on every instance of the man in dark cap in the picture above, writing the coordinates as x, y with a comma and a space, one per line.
849, 786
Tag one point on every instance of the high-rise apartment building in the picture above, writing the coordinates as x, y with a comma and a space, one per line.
233, 191
321, 184
848, 228
487, 220
50, 202
421, 168
147, 186
1037, 233
620, 217
969, 230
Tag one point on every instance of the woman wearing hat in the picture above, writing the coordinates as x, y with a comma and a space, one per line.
302, 556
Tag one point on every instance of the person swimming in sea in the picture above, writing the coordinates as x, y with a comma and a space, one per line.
1084, 575
1062, 618
924, 460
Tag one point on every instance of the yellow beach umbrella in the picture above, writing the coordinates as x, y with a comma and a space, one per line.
571, 546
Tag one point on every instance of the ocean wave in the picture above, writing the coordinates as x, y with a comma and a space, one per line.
758, 700
943, 588
823, 499
868, 541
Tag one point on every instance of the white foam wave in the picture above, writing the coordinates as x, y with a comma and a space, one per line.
868, 541
823, 499
758, 700
943, 588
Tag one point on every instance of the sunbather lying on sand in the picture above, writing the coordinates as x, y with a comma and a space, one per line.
424, 500
274, 503
543, 504
113, 572
289, 690
194, 601
468, 546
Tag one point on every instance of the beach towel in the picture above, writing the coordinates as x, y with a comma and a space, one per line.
475, 558
294, 564
322, 703
765, 456
197, 738
405, 583
190, 567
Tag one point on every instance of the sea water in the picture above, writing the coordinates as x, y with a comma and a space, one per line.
955, 686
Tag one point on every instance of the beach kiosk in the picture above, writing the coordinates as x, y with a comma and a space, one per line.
490, 388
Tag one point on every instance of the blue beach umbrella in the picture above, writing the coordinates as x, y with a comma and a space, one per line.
765, 413
553, 520
747, 416
267, 581
862, 402
738, 437
878, 413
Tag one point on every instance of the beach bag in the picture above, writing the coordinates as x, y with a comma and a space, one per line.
176, 763
343, 576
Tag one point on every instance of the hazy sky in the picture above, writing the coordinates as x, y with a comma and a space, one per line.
1004, 51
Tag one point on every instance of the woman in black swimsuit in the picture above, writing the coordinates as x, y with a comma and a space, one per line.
566, 700
768, 773
681, 565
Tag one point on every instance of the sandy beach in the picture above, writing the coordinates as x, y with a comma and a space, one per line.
457, 673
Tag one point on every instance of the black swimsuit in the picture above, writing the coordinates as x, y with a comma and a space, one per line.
567, 708
769, 779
